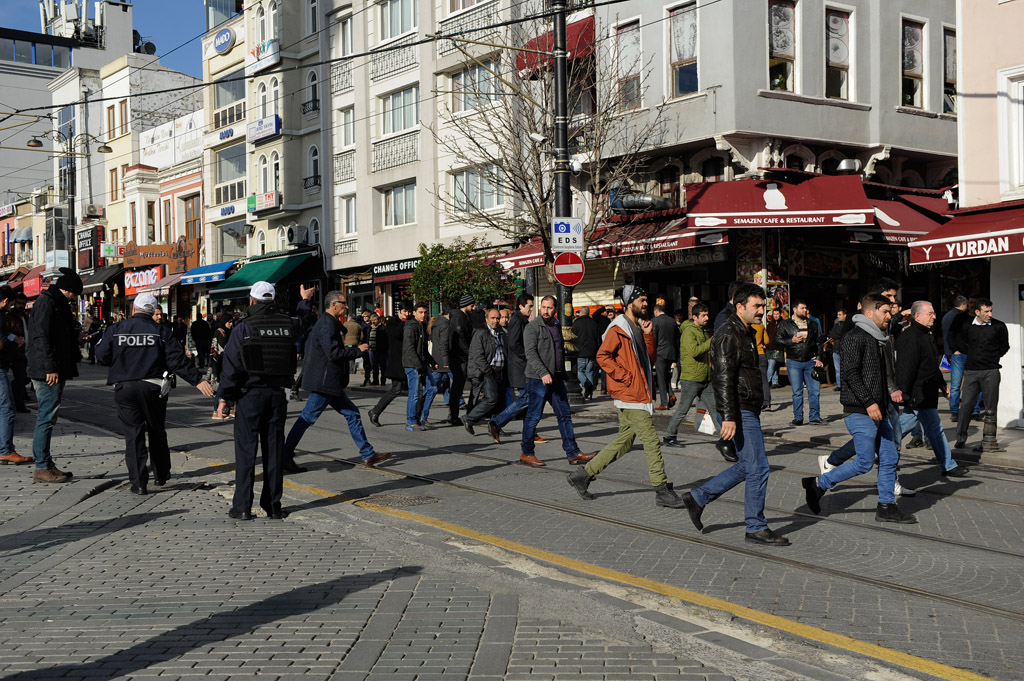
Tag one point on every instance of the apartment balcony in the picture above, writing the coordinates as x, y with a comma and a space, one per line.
396, 151
476, 18
341, 77
309, 108
311, 184
394, 60
344, 167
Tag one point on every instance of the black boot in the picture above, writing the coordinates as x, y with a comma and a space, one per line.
694, 509
666, 496
814, 494
580, 480
890, 513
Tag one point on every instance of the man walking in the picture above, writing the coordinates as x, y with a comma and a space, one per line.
836, 337
418, 370
8, 345
587, 340
141, 355
803, 341
865, 397
53, 356
458, 356
625, 355
666, 337
487, 353
545, 382
984, 340
736, 378
953, 323
516, 369
259, 363
394, 332
921, 381
326, 351
202, 337
775, 353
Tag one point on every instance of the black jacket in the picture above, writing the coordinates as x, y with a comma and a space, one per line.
481, 352
440, 342
414, 346
666, 334
735, 372
325, 362
234, 379
202, 334
50, 337
394, 330
917, 367
811, 348
863, 370
984, 344
461, 335
516, 359
587, 337
138, 348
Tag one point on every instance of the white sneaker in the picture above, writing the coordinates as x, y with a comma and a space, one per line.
901, 491
823, 464
291, 396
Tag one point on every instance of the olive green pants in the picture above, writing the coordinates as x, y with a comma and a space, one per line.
633, 423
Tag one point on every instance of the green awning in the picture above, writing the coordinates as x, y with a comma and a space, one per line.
277, 269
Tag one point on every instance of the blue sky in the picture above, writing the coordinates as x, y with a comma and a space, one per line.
168, 24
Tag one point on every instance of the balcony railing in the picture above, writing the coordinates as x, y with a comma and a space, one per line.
311, 106
476, 18
311, 184
396, 151
393, 60
344, 167
341, 76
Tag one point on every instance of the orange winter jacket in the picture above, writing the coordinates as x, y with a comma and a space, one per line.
627, 381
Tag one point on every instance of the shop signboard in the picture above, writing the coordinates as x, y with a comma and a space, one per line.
264, 201
35, 286
181, 256
6, 210
137, 279
264, 128
396, 270
85, 240
262, 55
110, 250
57, 259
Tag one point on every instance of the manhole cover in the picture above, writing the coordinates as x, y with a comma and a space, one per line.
396, 500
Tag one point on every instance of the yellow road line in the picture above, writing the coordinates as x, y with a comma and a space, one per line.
806, 631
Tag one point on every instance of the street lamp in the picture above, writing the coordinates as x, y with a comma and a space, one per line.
69, 150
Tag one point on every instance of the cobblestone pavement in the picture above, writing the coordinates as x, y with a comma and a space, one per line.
98, 583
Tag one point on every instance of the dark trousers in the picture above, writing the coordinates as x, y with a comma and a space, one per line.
494, 384
458, 386
663, 368
19, 383
398, 386
977, 381
202, 354
259, 422
766, 388
141, 410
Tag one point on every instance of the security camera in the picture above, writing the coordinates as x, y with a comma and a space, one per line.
538, 138
575, 167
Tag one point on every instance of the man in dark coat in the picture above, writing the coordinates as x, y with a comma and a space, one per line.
53, 356
394, 330
458, 355
984, 340
202, 336
587, 342
419, 370
516, 368
666, 337
326, 380
487, 364
921, 381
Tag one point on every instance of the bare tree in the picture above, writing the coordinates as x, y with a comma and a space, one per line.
495, 128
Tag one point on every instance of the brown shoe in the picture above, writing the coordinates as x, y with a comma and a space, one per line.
376, 459
495, 431
539, 440
67, 474
49, 475
661, 408
581, 458
14, 459
531, 460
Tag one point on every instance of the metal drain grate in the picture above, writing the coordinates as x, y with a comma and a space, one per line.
397, 500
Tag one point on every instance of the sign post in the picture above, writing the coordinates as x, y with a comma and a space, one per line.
568, 269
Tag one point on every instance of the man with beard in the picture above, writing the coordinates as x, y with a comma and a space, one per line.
802, 338
626, 354
487, 353
865, 396
736, 377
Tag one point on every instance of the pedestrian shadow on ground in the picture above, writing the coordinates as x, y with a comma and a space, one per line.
48, 538
218, 627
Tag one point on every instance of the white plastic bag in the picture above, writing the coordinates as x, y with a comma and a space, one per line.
706, 425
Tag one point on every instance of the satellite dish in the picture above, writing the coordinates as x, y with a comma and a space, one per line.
136, 37
149, 48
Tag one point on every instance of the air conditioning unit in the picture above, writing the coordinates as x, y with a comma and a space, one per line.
297, 234
94, 211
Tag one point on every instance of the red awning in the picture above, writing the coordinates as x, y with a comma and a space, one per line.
579, 43
821, 201
932, 204
976, 233
896, 223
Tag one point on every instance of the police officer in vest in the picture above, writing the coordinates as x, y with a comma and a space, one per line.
141, 355
259, 363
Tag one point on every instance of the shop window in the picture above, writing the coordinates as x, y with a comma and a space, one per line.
782, 45
913, 64
232, 239
949, 71
837, 54
683, 38
713, 169
629, 54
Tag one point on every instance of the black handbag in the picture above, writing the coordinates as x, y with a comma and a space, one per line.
819, 374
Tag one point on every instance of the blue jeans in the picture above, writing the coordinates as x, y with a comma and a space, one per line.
515, 407
799, 374
7, 413
751, 468
956, 379
869, 437
537, 395
586, 372
421, 394
48, 402
773, 372
849, 449
835, 363
929, 421
315, 406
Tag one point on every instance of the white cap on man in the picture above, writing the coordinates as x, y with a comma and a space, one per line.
146, 302
262, 290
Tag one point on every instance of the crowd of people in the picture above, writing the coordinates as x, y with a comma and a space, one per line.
514, 362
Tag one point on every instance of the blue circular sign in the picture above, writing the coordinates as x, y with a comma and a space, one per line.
224, 40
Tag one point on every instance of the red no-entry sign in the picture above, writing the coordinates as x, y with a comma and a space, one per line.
568, 269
